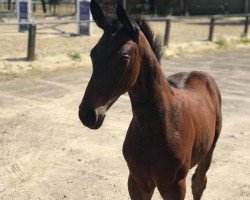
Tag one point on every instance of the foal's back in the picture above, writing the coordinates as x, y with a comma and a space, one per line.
196, 83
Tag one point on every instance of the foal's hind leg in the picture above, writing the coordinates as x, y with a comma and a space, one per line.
199, 179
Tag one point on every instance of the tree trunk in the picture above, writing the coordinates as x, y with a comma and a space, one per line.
44, 6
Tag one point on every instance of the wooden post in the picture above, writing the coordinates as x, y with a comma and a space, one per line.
246, 26
34, 7
211, 29
44, 6
54, 8
75, 2
31, 42
9, 4
167, 32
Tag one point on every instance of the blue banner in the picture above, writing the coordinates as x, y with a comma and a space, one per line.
84, 12
23, 15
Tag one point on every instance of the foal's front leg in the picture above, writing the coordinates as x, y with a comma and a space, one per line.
140, 189
176, 192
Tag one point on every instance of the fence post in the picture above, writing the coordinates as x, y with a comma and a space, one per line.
246, 26
9, 4
34, 7
167, 32
211, 29
31, 42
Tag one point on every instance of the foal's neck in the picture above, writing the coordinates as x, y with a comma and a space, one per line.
151, 94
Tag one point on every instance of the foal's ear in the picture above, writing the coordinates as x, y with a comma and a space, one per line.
98, 15
122, 16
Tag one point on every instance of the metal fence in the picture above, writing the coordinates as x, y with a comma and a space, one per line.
214, 20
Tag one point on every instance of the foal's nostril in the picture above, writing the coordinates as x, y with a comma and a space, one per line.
91, 116
88, 117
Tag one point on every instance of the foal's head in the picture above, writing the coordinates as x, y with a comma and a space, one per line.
116, 62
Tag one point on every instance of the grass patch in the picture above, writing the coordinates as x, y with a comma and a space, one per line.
75, 56
222, 43
244, 40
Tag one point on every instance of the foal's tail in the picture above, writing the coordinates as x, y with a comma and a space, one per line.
218, 124
217, 100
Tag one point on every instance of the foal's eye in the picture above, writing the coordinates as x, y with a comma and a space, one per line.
124, 59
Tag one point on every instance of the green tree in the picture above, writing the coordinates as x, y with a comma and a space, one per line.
54, 3
163, 7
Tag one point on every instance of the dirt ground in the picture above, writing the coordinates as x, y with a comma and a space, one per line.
46, 153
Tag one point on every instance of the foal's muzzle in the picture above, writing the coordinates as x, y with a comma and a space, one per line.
92, 118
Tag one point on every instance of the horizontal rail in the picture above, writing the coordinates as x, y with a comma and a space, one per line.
195, 17
46, 22
144, 18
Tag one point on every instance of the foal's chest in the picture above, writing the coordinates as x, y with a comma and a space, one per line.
144, 154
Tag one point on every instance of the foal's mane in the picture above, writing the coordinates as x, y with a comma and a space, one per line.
153, 40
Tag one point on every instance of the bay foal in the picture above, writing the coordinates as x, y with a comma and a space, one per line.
176, 121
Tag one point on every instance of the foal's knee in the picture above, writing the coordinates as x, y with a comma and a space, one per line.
141, 190
176, 192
